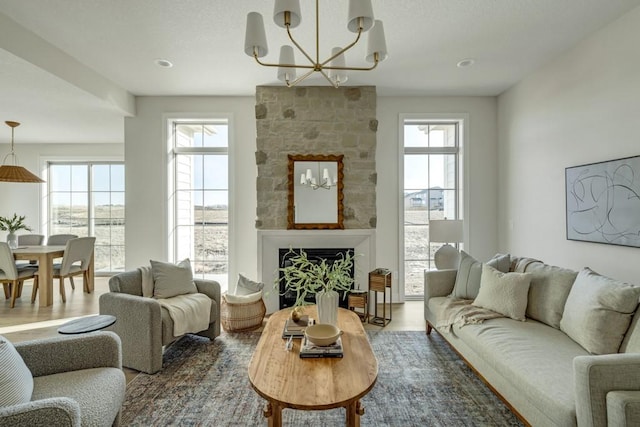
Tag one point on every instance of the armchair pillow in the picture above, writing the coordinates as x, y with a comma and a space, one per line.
243, 299
171, 280
16, 381
468, 277
247, 286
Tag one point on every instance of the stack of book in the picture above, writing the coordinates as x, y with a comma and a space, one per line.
296, 329
308, 349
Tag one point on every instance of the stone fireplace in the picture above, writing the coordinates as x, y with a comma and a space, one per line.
321, 121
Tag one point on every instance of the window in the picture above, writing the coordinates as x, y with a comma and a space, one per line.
200, 229
430, 191
87, 199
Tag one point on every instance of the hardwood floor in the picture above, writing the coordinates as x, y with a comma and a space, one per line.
28, 321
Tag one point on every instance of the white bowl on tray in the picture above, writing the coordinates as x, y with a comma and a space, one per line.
322, 334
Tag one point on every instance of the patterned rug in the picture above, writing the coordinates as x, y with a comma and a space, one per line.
421, 382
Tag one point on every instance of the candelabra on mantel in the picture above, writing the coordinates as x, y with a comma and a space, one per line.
310, 181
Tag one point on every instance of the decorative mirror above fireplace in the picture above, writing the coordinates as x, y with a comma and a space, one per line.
315, 184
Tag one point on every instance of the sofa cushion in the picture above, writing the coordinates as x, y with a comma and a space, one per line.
598, 311
170, 280
504, 293
548, 292
16, 381
534, 358
501, 262
468, 278
98, 391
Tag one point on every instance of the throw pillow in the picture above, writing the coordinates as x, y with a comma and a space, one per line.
504, 293
501, 262
550, 287
468, 277
243, 299
171, 280
246, 286
16, 381
598, 311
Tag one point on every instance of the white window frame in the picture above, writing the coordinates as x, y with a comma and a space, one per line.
169, 120
44, 198
462, 180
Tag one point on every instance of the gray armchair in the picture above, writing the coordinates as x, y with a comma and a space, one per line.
78, 380
143, 325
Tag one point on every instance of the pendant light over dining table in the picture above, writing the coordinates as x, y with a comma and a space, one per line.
286, 14
13, 172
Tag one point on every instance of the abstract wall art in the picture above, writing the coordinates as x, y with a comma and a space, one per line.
603, 202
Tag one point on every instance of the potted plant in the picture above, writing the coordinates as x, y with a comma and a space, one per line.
320, 278
12, 225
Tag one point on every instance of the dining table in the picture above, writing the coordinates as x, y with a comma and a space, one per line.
45, 255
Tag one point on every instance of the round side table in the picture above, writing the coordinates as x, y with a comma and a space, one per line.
87, 324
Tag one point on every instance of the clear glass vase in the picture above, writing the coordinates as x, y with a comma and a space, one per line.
12, 240
327, 303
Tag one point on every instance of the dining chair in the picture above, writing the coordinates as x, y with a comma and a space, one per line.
75, 261
30, 240
60, 239
12, 277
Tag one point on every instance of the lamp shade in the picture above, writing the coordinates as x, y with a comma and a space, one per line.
291, 6
376, 43
360, 9
445, 230
337, 76
286, 74
255, 39
9, 173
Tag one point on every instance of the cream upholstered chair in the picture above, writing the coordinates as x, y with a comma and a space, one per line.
75, 262
11, 276
60, 239
30, 239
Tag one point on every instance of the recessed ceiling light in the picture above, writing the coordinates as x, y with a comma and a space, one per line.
467, 62
164, 63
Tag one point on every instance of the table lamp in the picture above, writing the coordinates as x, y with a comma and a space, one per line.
446, 231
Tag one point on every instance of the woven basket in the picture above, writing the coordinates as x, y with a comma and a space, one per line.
241, 317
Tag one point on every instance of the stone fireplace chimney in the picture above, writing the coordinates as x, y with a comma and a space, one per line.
316, 120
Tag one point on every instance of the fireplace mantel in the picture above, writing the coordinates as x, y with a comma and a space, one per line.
269, 241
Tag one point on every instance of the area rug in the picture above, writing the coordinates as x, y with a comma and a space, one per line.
421, 382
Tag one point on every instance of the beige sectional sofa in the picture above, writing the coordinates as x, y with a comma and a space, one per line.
575, 360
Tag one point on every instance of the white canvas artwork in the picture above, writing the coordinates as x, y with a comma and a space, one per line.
603, 202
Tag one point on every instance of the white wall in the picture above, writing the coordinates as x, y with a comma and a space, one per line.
146, 150
581, 108
27, 199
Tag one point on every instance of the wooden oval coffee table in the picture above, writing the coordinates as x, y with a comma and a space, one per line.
287, 381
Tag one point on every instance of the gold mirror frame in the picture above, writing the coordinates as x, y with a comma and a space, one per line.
291, 224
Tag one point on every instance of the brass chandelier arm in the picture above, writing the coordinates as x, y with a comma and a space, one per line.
300, 47
301, 78
266, 64
344, 50
318, 67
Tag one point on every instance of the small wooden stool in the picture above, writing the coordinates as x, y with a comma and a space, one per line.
359, 299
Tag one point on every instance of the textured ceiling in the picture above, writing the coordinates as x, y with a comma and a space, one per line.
65, 65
